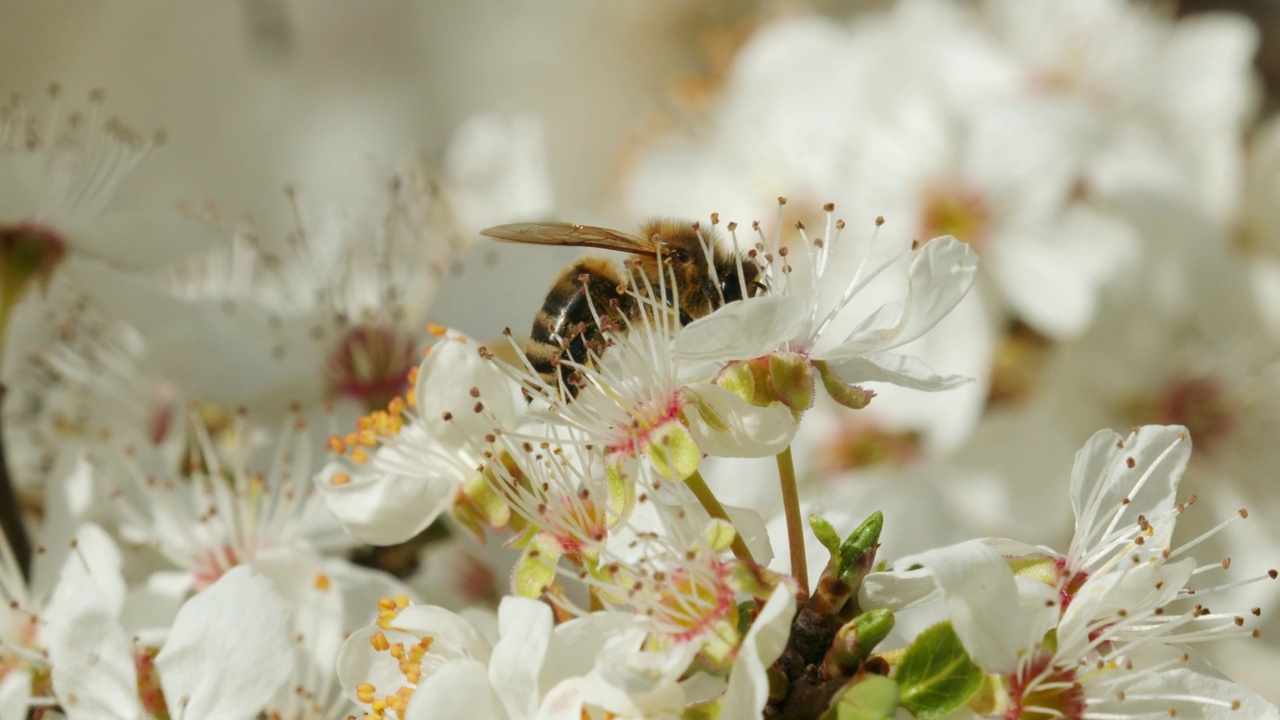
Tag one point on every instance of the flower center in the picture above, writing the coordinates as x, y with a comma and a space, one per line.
857, 443
693, 601
957, 211
150, 694
1200, 402
1041, 692
370, 364
1018, 364
27, 252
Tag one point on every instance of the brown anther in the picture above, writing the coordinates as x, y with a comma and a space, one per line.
829, 207
1129, 462
732, 226
782, 200
879, 220
715, 218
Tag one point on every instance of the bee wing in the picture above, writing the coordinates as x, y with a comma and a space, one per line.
560, 233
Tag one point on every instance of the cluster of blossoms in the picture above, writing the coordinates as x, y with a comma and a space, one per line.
256, 480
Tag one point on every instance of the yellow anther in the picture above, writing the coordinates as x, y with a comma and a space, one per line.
379, 705
437, 330
396, 406
380, 642
340, 479
411, 397
402, 601
397, 651
365, 692
386, 603
336, 445
359, 456
322, 582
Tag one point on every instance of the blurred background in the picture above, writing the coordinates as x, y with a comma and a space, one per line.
1113, 162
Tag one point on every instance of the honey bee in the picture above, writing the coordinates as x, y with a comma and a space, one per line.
670, 258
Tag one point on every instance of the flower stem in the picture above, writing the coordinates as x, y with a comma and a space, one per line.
716, 510
795, 528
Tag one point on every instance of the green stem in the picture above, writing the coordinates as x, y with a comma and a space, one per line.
795, 527
716, 510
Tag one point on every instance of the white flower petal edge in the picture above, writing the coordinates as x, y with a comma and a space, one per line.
459, 690
526, 627
940, 276
93, 672
904, 370
977, 588
15, 695
742, 330
385, 508
1180, 682
752, 431
749, 684
1138, 474
229, 649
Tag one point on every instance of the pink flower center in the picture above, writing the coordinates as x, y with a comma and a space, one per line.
370, 365
1041, 692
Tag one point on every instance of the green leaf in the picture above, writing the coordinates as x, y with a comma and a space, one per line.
861, 541
936, 674
872, 697
826, 535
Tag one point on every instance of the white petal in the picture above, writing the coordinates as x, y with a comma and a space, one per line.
90, 654
229, 649
1115, 480
749, 685
978, 590
742, 330
902, 370
15, 693
97, 556
525, 625
753, 431
424, 620
1183, 684
385, 508
458, 691
446, 378
940, 275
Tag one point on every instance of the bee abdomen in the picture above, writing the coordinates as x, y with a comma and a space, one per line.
566, 326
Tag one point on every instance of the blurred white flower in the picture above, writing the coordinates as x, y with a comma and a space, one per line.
98, 672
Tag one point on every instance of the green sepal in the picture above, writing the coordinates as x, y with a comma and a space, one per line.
1037, 568
672, 451
749, 380
792, 378
708, 710
850, 396
756, 581
936, 675
870, 697
536, 570
720, 535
